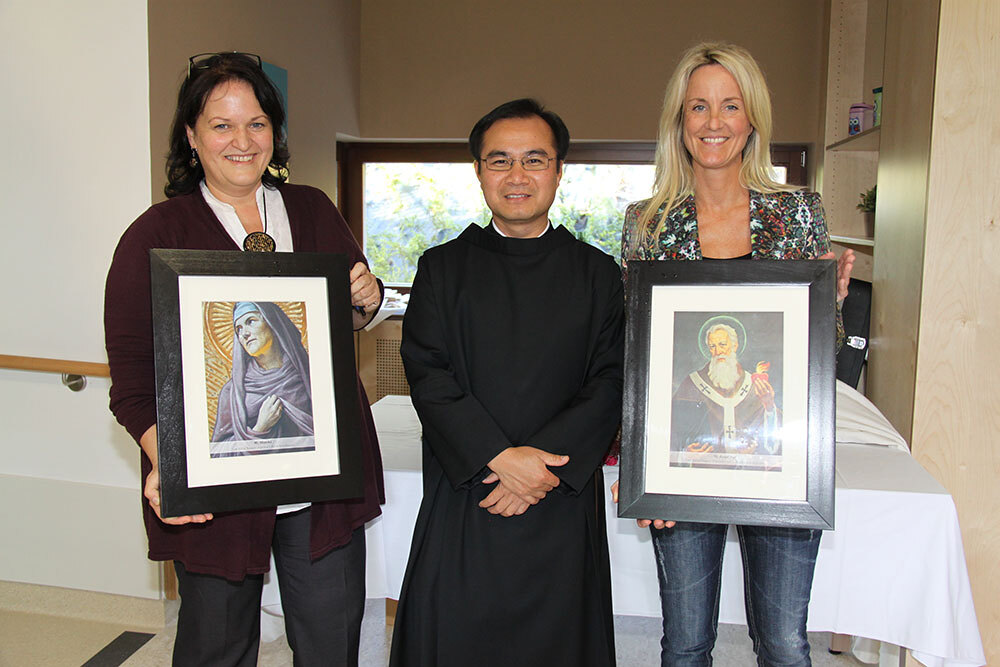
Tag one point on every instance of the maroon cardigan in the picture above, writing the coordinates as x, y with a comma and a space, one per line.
233, 544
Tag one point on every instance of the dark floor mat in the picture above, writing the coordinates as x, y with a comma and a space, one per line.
119, 650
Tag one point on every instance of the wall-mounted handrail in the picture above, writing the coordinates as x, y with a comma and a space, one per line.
45, 365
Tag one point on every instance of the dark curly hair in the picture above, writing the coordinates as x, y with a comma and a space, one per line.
221, 68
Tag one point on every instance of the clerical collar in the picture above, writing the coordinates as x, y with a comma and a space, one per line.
497, 230
490, 239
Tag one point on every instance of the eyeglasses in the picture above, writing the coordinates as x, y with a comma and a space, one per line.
204, 60
528, 162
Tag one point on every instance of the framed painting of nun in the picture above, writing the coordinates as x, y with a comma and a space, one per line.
255, 380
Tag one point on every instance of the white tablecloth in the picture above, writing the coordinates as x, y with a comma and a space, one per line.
893, 570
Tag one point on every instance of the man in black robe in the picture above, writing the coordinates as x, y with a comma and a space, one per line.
512, 345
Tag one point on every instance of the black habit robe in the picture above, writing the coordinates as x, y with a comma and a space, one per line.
511, 342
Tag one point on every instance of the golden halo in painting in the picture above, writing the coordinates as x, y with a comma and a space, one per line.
219, 323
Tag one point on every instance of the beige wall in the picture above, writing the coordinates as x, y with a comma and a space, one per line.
956, 421
431, 69
317, 41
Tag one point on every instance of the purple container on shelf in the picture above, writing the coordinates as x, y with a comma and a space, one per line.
862, 117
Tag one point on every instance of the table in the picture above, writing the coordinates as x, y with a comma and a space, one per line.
893, 570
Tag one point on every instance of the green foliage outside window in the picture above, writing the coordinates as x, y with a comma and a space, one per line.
408, 210
412, 207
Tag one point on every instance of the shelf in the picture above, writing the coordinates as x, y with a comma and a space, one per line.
853, 240
865, 141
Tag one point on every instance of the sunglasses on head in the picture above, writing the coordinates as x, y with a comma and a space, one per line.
205, 60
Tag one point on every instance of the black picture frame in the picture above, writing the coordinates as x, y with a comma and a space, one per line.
660, 295
336, 455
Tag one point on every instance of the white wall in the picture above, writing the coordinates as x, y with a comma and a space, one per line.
77, 171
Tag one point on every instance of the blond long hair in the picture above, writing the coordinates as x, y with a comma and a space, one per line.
674, 173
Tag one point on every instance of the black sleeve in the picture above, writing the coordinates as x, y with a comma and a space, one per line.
461, 433
585, 428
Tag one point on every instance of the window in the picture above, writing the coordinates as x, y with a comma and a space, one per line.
404, 198
412, 206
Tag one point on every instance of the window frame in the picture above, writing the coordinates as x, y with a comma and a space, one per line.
352, 156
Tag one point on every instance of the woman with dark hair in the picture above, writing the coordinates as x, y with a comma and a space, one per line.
206, 72
226, 191
715, 198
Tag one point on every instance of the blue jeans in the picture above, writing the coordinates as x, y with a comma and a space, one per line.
778, 568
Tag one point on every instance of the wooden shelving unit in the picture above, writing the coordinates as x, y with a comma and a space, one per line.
867, 141
850, 163
853, 241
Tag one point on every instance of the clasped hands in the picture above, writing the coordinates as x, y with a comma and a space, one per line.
522, 478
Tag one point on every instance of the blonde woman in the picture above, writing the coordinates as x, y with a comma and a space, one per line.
715, 198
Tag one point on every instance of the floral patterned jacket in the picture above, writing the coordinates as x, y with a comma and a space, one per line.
783, 225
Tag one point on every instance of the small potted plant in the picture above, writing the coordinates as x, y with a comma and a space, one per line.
867, 206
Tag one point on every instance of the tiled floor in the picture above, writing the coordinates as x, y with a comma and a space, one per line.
43, 641
53, 641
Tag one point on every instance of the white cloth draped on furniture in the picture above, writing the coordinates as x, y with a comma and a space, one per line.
893, 570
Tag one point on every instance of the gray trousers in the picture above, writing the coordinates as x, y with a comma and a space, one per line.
323, 602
